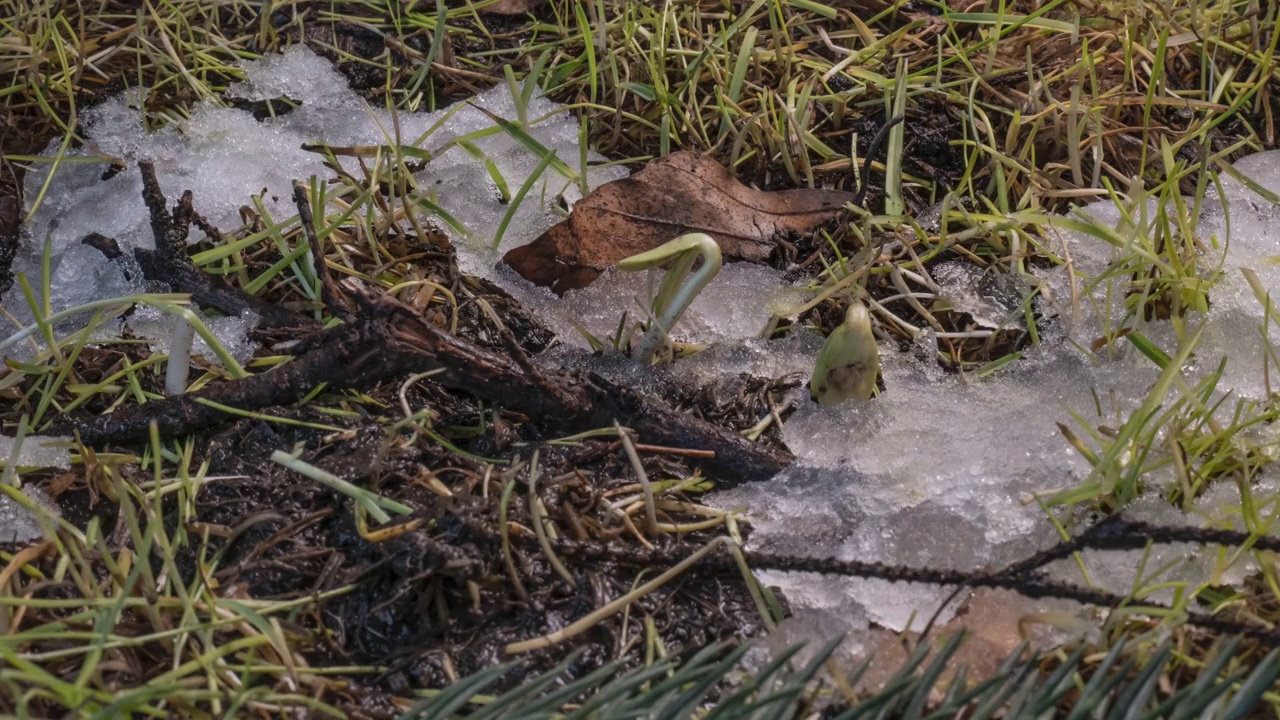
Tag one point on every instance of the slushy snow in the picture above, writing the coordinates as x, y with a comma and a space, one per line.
38, 451
230, 161
17, 523
939, 471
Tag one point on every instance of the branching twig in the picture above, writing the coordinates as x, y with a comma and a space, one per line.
385, 338
169, 262
1028, 584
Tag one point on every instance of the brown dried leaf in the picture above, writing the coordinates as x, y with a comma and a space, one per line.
677, 194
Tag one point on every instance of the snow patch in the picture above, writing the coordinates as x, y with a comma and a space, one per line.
17, 523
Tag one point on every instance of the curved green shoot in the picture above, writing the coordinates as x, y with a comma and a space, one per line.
679, 287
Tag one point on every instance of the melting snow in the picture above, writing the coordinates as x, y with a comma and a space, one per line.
936, 472
17, 523
37, 451
228, 159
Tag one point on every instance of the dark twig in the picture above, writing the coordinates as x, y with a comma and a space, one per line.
103, 244
1118, 533
169, 262
341, 355
334, 299
508, 338
1108, 533
175, 246
876, 142
391, 338
11, 207
1033, 586
386, 338
208, 228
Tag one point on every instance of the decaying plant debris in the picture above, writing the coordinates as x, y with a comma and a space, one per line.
445, 593
383, 339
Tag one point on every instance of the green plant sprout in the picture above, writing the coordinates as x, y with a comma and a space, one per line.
679, 287
849, 361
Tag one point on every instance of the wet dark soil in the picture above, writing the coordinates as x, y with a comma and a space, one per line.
431, 597
436, 601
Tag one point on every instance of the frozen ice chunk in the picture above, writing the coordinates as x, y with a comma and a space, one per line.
459, 180
224, 156
933, 473
1251, 217
793, 353
1243, 225
17, 523
232, 161
232, 333
937, 471
991, 298
38, 451
81, 276
736, 304
297, 73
